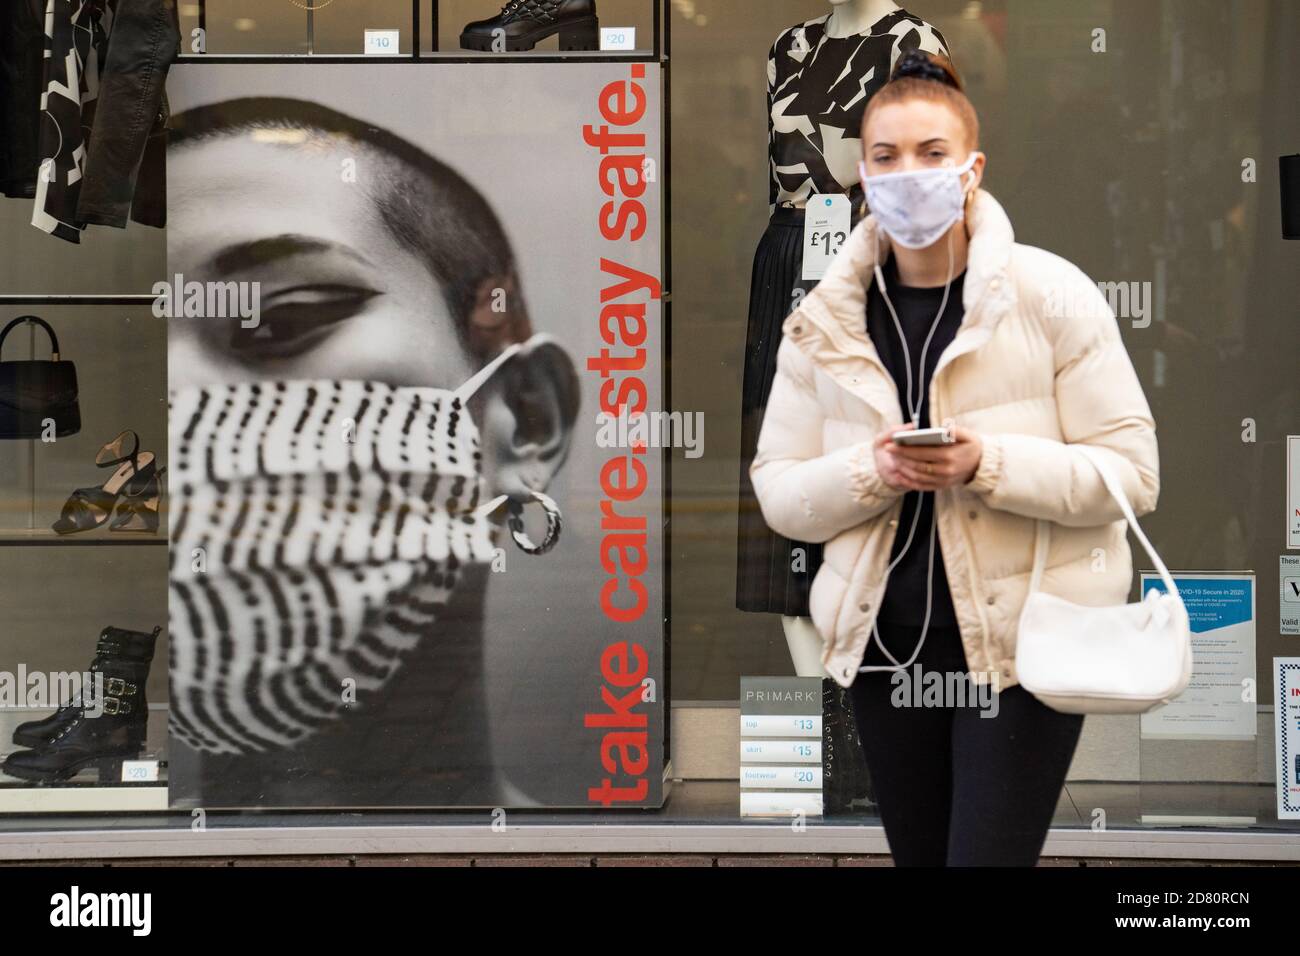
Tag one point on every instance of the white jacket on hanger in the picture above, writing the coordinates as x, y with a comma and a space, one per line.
1037, 365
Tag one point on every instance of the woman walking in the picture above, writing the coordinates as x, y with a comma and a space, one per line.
933, 315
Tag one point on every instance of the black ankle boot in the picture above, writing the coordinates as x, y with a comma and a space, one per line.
72, 739
114, 642
524, 22
846, 782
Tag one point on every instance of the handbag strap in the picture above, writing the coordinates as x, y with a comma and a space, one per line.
54, 339
1116, 490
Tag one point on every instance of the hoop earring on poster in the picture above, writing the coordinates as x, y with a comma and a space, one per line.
515, 521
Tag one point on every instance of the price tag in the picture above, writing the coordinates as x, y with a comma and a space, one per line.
618, 38
827, 222
139, 771
383, 42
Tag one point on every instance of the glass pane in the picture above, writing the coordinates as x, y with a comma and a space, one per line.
75, 564
454, 15
249, 26
340, 27
1138, 141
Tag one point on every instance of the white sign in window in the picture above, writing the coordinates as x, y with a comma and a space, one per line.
621, 39
383, 42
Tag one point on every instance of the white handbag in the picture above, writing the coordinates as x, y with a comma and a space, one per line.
1103, 660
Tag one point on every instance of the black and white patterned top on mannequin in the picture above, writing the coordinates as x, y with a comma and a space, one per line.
817, 91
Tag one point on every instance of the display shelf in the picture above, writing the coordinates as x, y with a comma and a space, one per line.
15, 300
10, 537
92, 789
459, 56
85, 798
657, 49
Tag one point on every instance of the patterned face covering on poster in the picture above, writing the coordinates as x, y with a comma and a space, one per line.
320, 529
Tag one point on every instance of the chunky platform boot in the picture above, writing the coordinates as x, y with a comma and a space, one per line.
72, 739
37, 733
846, 782
521, 24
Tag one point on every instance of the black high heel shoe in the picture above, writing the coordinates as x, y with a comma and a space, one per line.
138, 512
88, 508
521, 24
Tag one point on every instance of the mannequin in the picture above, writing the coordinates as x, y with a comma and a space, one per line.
820, 75
856, 16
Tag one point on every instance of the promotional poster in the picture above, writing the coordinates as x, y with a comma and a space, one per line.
407, 567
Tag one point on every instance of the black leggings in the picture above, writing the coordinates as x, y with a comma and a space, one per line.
955, 788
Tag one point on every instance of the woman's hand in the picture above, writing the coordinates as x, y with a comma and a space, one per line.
887, 460
929, 467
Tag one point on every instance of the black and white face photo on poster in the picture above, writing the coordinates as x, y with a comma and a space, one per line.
352, 623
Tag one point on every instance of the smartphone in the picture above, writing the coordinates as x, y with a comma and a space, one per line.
923, 436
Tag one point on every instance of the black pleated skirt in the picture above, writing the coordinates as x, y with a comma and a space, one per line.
773, 573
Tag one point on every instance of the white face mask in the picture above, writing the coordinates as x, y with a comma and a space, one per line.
916, 208
332, 521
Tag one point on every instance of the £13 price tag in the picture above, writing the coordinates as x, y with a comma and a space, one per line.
826, 226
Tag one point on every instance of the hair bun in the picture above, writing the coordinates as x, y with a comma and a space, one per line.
920, 65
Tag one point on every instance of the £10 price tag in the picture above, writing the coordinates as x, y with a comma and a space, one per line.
383, 42
826, 226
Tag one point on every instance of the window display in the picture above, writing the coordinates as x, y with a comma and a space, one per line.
542, 27
329, 496
522, 23
105, 725
820, 75
80, 559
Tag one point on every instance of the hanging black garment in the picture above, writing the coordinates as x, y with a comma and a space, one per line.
21, 51
773, 573
105, 114
34, 392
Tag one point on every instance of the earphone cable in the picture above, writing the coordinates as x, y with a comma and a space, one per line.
914, 408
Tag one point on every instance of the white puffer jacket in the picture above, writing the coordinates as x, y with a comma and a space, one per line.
1037, 365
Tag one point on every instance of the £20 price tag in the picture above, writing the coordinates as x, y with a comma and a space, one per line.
826, 226
139, 771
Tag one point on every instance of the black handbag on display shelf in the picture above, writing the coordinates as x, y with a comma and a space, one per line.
34, 392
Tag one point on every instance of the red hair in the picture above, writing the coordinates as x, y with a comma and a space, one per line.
919, 75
